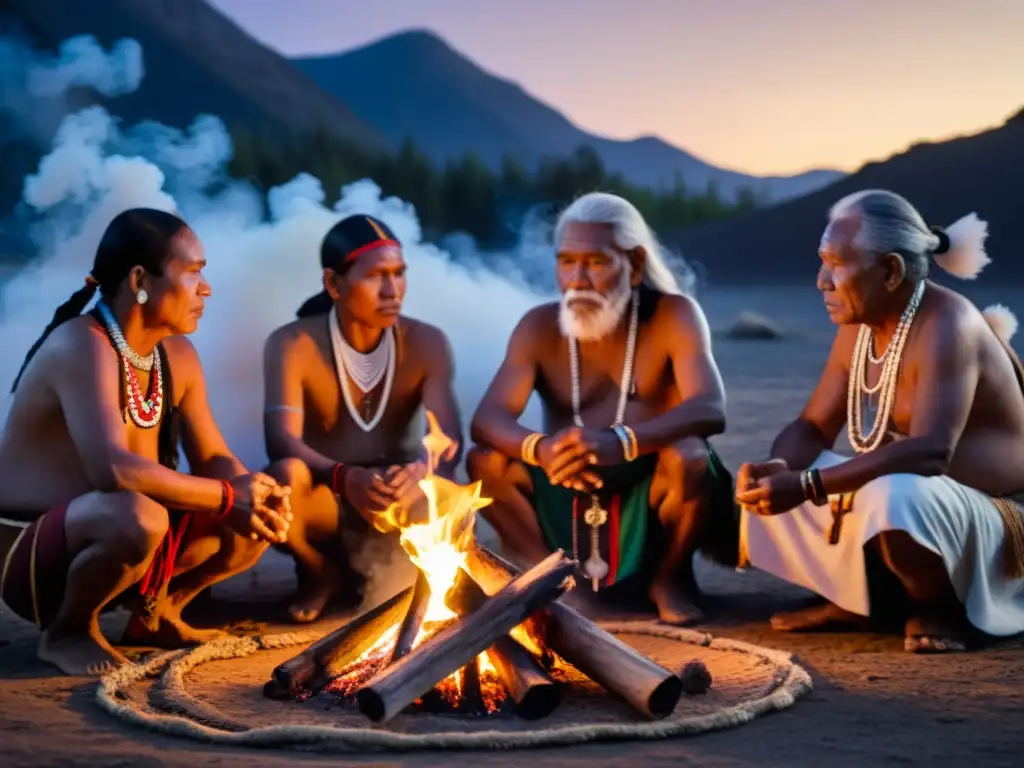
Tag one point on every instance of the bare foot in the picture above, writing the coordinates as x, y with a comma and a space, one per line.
674, 604
172, 633
815, 617
933, 635
312, 599
78, 655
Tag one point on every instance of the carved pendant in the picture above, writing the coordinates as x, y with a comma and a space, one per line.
595, 567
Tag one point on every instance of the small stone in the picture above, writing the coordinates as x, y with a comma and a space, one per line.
696, 677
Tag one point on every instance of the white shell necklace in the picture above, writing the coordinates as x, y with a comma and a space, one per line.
138, 361
627, 369
366, 371
887, 383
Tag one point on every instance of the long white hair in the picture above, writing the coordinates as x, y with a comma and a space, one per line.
630, 231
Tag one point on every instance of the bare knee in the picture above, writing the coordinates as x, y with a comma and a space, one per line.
243, 553
682, 470
485, 464
137, 525
293, 473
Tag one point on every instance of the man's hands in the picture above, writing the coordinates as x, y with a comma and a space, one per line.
371, 491
768, 488
567, 457
261, 508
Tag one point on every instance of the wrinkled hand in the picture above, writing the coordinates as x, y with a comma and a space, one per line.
773, 494
261, 508
567, 456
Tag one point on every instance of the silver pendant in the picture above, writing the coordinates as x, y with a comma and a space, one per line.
595, 568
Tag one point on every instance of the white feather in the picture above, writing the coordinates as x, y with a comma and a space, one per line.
1002, 321
966, 256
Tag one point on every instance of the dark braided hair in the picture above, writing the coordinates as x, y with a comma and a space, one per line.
138, 237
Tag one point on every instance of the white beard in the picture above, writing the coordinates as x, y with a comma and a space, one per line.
596, 323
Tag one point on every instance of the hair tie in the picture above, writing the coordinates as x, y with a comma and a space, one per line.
91, 281
939, 232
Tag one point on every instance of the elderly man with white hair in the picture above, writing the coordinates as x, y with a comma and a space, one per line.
931, 395
622, 477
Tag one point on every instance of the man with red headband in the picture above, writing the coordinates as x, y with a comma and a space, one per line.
347, 385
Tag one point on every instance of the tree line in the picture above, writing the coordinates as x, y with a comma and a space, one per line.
464, 195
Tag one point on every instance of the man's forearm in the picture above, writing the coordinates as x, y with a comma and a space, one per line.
912, 456
799, 444
219, 468
500, 432
697, 417
167, 487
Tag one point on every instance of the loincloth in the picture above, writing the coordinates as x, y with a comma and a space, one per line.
35, 570
630, 540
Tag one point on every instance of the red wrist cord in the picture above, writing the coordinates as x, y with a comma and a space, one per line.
336, 477
227, 500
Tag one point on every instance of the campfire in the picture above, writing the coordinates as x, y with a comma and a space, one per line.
473, 635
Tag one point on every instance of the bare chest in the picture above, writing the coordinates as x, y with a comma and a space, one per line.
338, 412
603, 381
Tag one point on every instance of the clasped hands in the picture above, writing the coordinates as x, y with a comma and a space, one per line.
567, 457
768, 487
261, 508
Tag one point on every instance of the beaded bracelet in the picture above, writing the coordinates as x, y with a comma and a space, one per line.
528, 450
630, 447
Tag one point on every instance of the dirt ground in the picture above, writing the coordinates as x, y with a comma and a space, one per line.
872, 703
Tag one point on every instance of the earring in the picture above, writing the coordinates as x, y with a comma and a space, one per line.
142, 297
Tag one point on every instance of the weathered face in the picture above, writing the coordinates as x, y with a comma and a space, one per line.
853, 283
177, 297
372, 290
595, 277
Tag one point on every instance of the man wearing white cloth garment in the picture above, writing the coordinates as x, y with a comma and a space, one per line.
931, 395
347, 385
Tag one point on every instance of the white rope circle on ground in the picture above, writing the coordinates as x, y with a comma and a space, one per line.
113, 696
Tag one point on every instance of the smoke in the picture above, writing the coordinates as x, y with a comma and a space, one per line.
263, 251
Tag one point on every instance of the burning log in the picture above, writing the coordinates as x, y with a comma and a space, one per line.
533, 691
647, 687
312, 669
400, 684
413, 622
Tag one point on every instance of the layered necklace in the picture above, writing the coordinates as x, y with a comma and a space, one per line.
595, 516
626, 382
366, 370
888, 379
144, 411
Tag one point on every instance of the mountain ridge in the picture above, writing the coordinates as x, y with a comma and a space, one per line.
456, 105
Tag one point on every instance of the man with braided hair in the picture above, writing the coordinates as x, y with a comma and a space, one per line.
928, 504
93, 511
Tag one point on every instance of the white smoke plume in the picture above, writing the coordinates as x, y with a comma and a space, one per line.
261, 269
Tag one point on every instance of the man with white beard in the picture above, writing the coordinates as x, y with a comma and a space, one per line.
623, 476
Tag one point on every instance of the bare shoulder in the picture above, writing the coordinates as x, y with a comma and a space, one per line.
421, 335
540, 322
948, 317
680, 312
72, 344
299, 336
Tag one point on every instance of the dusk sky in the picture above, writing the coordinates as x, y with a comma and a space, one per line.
762, 86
